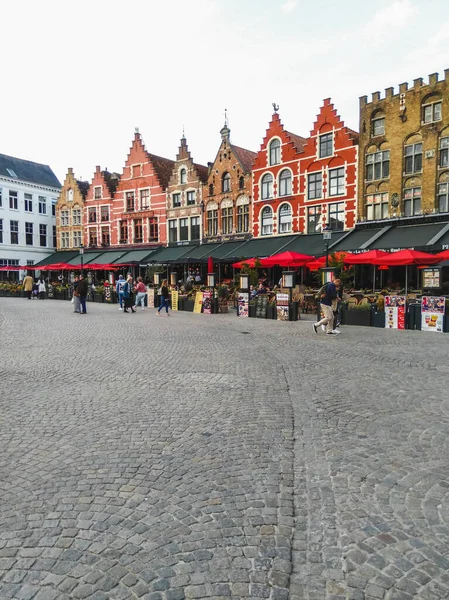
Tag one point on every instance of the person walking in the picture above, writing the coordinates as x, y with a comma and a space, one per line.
28, 285
82, 291
141, 290
165, 298
119, 288
41, 288
128, 294
76, 296
330, 295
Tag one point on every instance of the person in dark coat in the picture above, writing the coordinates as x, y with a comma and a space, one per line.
128, 295
82, 291
165, 293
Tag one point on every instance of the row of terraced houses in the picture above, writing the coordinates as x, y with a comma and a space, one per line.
393, 172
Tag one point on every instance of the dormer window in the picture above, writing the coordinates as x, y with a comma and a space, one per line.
226, 183
275, 152
97, 193
182, 176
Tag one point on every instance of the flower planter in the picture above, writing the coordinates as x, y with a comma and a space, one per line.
60, 296
188, 305
271, 311
356, 317
223, 305
377, 318
252, 311
98, 298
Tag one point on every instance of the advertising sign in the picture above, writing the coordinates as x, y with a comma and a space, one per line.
174, 300
261, 306
207, 302
150, 297
395, 312
243, 303
282, 307
432, 313
198, 302
107, 292
431, 277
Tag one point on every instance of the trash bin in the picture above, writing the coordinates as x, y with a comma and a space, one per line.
377, 317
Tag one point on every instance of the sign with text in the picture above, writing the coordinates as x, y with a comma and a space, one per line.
198, 302
174, 300
282, 307
243, 302
432, 313
207, 302
431, 277
261, 306
107, 292
395, 312
150, 297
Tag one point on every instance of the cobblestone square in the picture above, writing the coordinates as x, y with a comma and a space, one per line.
205, 456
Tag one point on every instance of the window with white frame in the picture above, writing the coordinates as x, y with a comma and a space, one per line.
190, 195
275, 152
105, 237
13, 200
226, 183
267, 186
285, 218
92, 214
314, 219
53, 208
377, 165
153, 229
242, 218
123, 226
42, 235
76, 216
337, 181
138, 231
444, 152
176, 200
227, 220
267, 221
376, 206
443, 197
130, 202
413, 158
212, 221
412, 201
144, 199
92, 239
183, 229
29, 234
42, 205
65, 239
65, 218
314, 185
378, 125
326, 146
54, 236
285, 183
195, 228
104, 214
336, 218
1, 197
1, 231
97, 192
77, 238
69, 195
173, 231
182, 176
14, 227
432, 112
28, 202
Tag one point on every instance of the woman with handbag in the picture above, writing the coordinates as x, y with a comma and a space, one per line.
165, 298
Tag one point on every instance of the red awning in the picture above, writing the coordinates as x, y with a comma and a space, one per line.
249, 262
365, 258
406, 257
287, 259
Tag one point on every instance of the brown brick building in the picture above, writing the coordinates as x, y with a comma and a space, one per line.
70, 212
404, 151
227, 193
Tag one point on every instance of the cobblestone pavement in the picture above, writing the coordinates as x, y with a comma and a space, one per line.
205, 456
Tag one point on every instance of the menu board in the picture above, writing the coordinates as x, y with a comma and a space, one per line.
198, 302
207, 302
431, 277
107, 292
432, 313
282, 307
395, 312
174, 300
261, 306
243, 302
150, 297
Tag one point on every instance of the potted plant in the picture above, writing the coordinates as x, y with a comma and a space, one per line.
223, 296
359, 314
98, 295
271, 307
252, 308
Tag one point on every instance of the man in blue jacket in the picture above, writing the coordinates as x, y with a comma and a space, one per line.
120, 289
330, 295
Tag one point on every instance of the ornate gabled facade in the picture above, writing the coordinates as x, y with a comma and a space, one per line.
185, 198
98, 209
70, 212
228, 192
328, 174
139, 205
276, 181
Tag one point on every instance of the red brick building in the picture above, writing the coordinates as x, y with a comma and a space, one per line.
139, 206
98, 209
328, 174
276, 181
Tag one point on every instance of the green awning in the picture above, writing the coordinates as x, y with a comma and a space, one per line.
407, 236
354, 240
105, 258
136, 256
57, 257
263, 247
313, 244
87, 258
199, 252
227, 251
165, 255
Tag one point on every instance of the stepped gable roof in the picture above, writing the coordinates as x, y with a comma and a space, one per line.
203, 172
112, 180
245, 157
163, 168
298, 141
83, 187
27, 170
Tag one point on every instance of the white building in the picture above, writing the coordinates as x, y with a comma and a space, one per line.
28, 194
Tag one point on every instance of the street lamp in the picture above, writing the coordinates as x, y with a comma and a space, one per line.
327, 236
81, 256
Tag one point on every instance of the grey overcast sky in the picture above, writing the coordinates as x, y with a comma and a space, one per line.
79, 76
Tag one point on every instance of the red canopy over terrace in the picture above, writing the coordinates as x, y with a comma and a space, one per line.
406, 257
365, 258
61, 266
250, 262
287, 259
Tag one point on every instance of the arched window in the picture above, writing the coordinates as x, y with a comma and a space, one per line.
267, 221
227, 216
182, 176
226, 183
285, 218
241, 182
432, 108
275, 152
378, 123
285, 183
211, 189
267, 186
